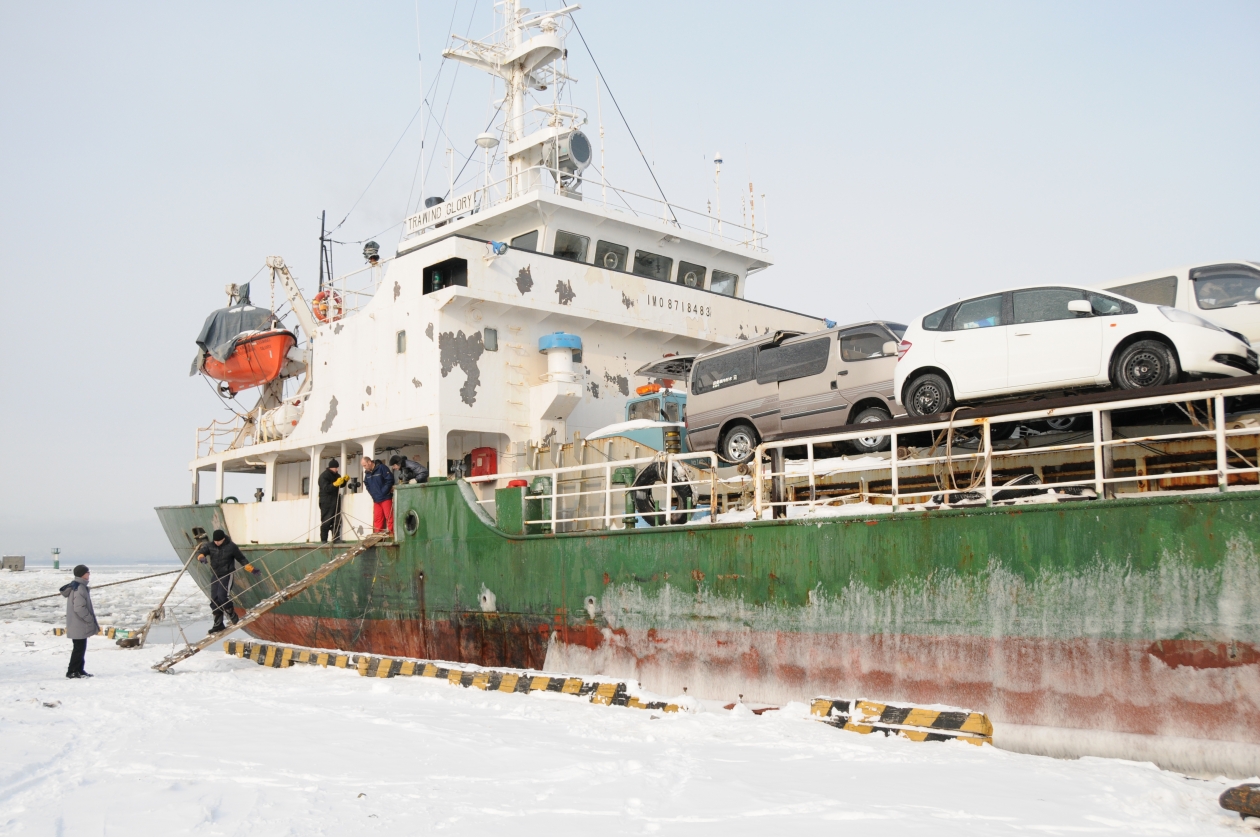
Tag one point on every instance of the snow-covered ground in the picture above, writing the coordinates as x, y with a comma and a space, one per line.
227, 747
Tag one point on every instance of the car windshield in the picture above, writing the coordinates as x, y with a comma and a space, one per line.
1225, 286
649, 409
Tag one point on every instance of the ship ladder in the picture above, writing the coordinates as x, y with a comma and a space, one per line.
267, 604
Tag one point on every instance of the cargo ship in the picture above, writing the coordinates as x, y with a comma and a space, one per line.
1092, 583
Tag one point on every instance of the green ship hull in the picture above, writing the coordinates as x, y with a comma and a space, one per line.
1137, 616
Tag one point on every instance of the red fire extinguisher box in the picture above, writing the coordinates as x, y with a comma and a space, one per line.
485, 461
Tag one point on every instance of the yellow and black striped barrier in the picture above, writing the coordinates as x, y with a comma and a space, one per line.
905, 720
488, 680
112, 633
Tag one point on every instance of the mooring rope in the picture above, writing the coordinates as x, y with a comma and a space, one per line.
91, 587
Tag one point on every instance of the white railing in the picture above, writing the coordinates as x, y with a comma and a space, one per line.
354, 290
968, 445
668, 215
578, 497
219, 436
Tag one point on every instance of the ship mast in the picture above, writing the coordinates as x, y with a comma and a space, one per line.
519, 59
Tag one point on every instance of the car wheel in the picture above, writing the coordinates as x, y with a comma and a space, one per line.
1146, 363
928, 395
738, 443
1061, 424
871, 444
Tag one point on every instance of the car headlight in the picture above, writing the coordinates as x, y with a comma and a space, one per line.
1179, 316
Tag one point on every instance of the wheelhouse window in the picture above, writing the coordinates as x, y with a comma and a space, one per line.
1040, 305
984, 312
725, 370
724, 283
445, 274
648, 408
528, 241
793, 360
1161, 291
1225, 286
652, 265
866, 343
611, 256
570, 246
691, 275
673, 411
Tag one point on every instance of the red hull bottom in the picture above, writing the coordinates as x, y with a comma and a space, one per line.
1085, 684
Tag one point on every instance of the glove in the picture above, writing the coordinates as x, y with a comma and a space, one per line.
249, 568
340, 481
201, 558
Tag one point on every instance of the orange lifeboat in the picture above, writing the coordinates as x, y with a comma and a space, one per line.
257, 359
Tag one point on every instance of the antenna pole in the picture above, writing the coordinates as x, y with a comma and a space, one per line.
322, 246
515, 93
752, 212
717, 182
424, 123
599, 109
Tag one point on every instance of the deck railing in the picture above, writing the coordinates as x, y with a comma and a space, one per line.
220, 436
969, 446
580, 497
933, 464
668, 215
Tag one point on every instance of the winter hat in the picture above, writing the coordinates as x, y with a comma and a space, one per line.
80, 571
332, 463
396, 460
219, 535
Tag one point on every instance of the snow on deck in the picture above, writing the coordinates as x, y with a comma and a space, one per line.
226, 747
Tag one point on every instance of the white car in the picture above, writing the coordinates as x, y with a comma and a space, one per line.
1056, 337
1228, 293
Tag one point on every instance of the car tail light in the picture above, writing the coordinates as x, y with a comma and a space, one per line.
903, 348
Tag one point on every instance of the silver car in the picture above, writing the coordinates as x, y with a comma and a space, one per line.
793, 384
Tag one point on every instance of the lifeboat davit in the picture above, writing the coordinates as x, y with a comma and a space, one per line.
257, 359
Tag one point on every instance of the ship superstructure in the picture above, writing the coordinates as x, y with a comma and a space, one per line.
449, 346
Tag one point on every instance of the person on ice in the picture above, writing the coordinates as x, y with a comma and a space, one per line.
80, 619
223, 556
379, 482
330, 483
407, 470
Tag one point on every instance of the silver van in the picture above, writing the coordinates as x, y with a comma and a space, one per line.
791, 384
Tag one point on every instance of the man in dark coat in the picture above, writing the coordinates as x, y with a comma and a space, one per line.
80, 619
379, 482
330, 483
223, 556
407, 470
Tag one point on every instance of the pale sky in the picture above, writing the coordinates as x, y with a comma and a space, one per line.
910, 153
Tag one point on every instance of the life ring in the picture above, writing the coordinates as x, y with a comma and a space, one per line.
327, 306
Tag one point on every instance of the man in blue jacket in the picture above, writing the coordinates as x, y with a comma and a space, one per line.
379, 482
80, 619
